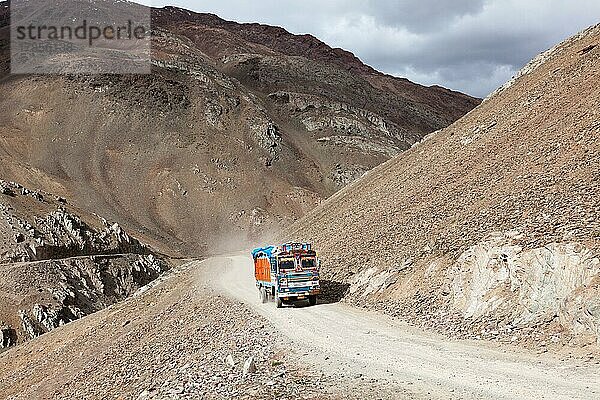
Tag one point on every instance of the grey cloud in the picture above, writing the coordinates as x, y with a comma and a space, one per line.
423, 15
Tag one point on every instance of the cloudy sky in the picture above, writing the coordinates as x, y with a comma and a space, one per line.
469, 45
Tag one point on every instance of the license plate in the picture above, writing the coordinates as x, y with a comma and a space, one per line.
300, 284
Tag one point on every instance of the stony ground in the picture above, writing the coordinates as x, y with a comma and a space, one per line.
178, 339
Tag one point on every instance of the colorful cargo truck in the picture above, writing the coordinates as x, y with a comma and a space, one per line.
287, 273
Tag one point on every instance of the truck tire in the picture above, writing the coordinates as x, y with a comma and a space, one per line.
312, 300
263, 295
279, 302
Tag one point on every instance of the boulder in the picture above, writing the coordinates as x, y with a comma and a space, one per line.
249, 366
230, 361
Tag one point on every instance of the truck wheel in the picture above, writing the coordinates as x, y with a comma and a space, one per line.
312, 300
263, 295
279, 302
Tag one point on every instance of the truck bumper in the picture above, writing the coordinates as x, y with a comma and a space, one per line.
292, 296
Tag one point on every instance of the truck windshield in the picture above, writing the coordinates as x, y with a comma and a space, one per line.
286, 264
309, 263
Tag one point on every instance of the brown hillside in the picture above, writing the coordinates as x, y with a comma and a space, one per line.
488, 228
240, 130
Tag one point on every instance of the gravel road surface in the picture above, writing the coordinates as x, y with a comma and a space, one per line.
350, 342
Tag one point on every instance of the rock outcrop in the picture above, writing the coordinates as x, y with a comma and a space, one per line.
68, 289
58, 264
8, 336
57, 234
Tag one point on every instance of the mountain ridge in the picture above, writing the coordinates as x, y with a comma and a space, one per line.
228, 139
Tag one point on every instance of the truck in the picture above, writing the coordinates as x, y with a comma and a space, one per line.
287, 273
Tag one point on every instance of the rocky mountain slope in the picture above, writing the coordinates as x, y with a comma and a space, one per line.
59, 263
239, 130
488, 228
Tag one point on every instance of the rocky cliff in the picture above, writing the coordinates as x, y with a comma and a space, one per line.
58, 264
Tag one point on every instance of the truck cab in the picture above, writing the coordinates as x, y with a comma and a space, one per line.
287, 273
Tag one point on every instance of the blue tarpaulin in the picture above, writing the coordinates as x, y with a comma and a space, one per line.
272, 251
268, 251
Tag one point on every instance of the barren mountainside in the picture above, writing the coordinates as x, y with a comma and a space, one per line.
488, 228
240, 130
126, 201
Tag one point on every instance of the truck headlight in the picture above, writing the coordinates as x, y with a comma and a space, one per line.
283, 282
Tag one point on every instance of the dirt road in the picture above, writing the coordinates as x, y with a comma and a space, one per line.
348, 342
